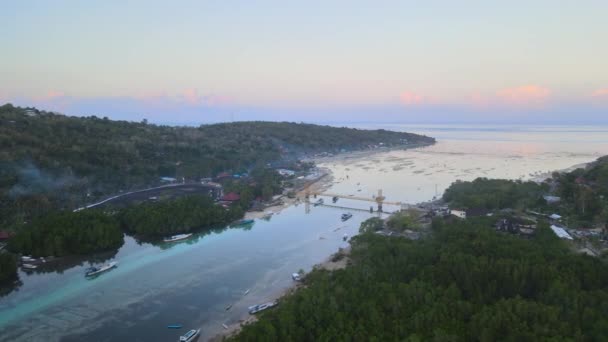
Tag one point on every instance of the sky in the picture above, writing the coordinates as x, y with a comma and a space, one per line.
190, 62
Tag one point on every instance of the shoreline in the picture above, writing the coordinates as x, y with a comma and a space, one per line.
328, 264
319, 184
365, 153
543, 176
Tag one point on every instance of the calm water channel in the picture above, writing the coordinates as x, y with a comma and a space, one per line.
192, 282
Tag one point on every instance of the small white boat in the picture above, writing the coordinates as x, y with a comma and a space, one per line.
94, 270
29, 266
190, 335
260, 307
345, 237
296, 277
177, 237
246, 292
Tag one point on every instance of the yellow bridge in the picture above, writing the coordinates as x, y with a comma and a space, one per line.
378, 199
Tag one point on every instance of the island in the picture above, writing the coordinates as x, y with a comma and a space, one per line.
74, 185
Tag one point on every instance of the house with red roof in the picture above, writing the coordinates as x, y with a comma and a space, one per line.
4, 235
230, 197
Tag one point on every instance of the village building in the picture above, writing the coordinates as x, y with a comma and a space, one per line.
561, 232
5, 235
458, 213
552, 199
555, 217
230, 197
286, 172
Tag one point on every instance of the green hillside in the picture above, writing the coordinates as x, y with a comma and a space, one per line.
50, 161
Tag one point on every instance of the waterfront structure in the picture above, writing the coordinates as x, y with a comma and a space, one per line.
458, 213
561, 232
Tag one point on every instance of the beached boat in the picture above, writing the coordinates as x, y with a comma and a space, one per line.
94, 270
296, 276
346, 216
243, 222
260, 307
177, 237
190, 335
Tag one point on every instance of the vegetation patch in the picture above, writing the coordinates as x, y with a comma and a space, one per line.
465, 283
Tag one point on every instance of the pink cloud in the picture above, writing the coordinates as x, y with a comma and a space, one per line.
409, 98
54, 94
191, 96
526, 95
50, 95
602, 93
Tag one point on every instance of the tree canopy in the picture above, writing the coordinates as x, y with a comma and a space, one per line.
494, 194
64, 233
180, 215
464, 283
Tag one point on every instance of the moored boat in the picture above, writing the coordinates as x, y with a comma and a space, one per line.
346, 216
29, 266
190, 335
94, 270
318, 202
260, 307
177, 237
243, 222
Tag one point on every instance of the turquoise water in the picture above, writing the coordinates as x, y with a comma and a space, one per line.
189, 283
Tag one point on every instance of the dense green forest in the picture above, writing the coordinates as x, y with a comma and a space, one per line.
63, 233
92, 230
8, 267
50, 161
464, 283
180, 215
495, 194
583, 194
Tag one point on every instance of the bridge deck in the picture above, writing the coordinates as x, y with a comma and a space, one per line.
353, 198
355, 209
